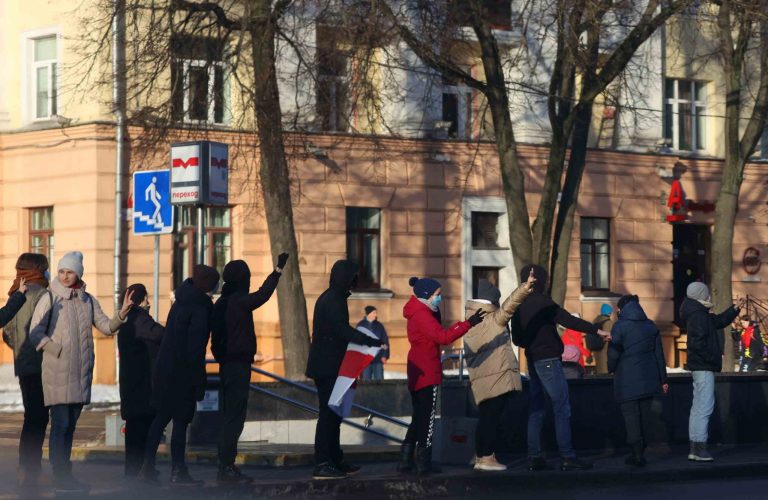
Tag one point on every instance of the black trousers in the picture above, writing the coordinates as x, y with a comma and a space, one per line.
235, 386
422, 426
328, 430
178, 440
35, 422
488, 424
136, 432
637, 414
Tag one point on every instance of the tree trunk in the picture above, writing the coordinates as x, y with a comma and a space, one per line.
568, 202
275, 186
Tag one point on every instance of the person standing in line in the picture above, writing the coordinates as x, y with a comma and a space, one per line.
534, 327
30, 284
705, 358
752, 346
425, 371
574, 338
138, 342
180, 378
636, 359
331, 333
603, 321
233, 342
494, 372
375, 371
62, 328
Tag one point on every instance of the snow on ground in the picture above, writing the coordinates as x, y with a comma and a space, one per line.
103, 396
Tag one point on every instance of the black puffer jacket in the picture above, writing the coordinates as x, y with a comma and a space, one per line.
705, 335
635, 355
331, 331
138, 342
234, 336
180, 371
534, 324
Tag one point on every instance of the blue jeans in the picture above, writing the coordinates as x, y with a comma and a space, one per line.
702, 407
548, 379
374, 371
63, 422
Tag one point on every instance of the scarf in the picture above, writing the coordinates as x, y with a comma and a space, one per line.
427, 303
31, 276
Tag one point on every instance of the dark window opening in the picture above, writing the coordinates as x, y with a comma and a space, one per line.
488, 273
485, 230
363, 245
595, 253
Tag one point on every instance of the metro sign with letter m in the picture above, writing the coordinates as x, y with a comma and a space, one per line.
199, 173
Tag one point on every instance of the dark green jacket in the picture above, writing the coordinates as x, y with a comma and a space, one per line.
26, 359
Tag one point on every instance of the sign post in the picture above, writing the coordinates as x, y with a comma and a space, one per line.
153, 215
199, 177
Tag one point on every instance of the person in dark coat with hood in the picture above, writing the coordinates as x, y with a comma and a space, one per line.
233, 344
138, 342
705, 358
534, 327
180, 372
636, 358
331, 332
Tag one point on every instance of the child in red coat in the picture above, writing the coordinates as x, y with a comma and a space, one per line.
426, 335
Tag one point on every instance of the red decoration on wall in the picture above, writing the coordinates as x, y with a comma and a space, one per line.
676, 203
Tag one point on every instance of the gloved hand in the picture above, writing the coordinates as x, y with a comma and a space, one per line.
370, 342
282, 259
476, 318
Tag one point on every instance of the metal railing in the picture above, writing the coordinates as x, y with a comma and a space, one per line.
451, 354
303, 406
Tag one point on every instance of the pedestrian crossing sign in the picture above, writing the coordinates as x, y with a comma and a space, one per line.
152, 209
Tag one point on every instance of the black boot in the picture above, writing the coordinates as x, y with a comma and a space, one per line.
148, 474
65, 483
636, 458
180, 477
406, 463
424, 465
231, 474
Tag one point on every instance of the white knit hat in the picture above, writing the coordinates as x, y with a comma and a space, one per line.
72, 261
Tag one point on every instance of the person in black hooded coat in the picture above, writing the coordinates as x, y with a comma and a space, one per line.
180, 379
138, 342
331, 332
233, 342
534, 327
636, 358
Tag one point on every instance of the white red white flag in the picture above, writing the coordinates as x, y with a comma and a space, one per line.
357, 358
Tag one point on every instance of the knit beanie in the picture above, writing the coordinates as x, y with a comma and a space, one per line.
237, 271
700, 292
205, 278
486, 291
139, 293
423, 288
606, 309
72, 261
369, 310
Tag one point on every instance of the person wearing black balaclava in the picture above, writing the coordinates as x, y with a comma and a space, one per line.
331, 333
233, 342
534, 327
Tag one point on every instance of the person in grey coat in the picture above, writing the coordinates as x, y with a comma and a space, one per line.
636, 358
62, 328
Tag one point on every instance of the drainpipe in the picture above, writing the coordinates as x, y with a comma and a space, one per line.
118, 100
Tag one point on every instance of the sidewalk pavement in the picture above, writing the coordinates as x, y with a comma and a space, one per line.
667, 468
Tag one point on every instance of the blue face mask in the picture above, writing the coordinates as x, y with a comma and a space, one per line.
436, 300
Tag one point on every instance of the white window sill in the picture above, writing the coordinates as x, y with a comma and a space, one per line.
372, 295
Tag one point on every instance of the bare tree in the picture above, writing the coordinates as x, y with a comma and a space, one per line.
594, 42
229, 40
742, 28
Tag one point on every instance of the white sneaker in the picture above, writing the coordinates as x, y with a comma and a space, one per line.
489, 463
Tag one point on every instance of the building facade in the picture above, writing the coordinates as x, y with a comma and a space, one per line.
419, 195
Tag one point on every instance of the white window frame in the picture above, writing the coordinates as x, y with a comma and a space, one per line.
211, 65
29, 73
464, 98
675, 101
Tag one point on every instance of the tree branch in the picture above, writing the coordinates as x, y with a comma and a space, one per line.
208, 8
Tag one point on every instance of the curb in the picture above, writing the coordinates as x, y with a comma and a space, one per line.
264, 459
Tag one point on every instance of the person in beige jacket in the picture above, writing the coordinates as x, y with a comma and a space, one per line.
494, 372
62, 328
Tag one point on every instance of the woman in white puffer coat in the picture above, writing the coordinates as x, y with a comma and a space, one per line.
62, 327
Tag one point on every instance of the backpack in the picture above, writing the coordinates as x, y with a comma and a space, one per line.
219, 328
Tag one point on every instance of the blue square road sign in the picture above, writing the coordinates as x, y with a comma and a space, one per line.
152, 209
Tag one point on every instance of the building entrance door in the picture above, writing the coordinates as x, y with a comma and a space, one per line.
691, 246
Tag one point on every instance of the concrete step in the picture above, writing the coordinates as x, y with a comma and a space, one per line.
255, 454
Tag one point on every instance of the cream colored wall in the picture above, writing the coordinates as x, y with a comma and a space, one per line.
31, 18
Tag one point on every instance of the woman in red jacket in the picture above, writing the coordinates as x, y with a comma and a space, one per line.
425, 373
